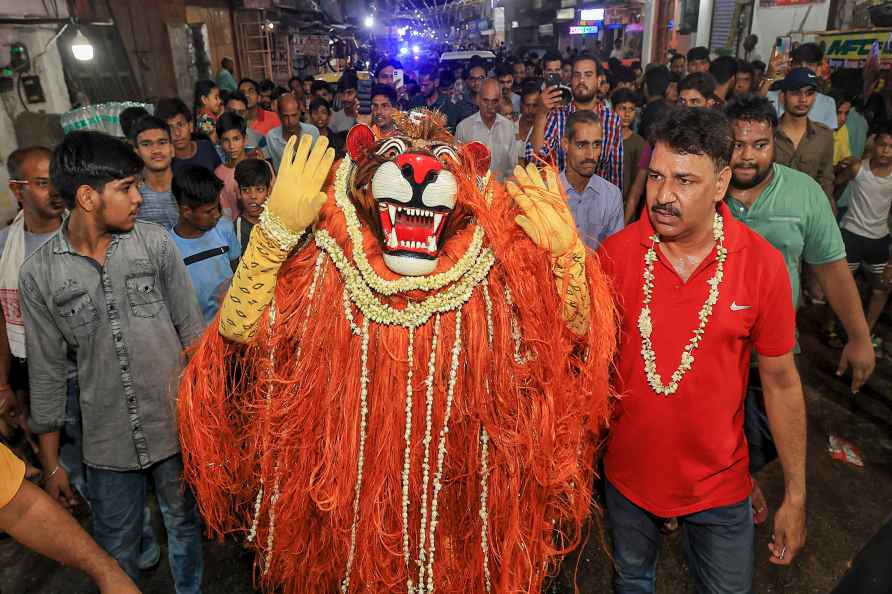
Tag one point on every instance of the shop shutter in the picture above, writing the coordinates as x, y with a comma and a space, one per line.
722, 15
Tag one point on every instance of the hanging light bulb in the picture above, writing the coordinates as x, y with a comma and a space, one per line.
81, 47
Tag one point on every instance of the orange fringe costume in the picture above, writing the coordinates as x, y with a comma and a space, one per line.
297, 442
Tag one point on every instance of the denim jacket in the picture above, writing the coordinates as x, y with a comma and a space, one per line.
126, 324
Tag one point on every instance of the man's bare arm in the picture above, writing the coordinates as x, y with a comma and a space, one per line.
36, 521
785, 405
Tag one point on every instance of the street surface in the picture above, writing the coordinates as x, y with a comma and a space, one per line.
846, 506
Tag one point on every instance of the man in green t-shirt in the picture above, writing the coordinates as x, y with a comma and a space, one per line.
790, 210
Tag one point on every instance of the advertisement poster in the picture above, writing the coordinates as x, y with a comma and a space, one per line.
770, 3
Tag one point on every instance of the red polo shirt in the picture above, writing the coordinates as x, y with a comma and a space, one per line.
680, 454
266, 121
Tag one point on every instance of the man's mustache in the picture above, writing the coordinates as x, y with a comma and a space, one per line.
665, 209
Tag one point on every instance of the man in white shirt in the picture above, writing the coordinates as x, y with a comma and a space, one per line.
809, 55
289, 114
494, 130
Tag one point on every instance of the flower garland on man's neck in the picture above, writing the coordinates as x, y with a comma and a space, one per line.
645, 323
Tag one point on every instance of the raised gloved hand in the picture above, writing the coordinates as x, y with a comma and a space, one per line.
549, 223
547, 218
297, 194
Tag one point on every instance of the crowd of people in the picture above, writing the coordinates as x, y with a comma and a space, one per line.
807, 167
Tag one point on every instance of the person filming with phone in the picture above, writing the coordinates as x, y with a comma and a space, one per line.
554, 110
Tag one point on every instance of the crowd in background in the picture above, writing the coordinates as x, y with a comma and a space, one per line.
812, 172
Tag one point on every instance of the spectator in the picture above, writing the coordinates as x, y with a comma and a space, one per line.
697, 90
186, 150
207, 108
226, 75
255, 182
259, 119
566, 72
528, 102
151, 137
321, 89
749, 48
39, 217
205, 240
431, 97
551, 64
672, 89
383, 105
320, 115
296, 86
308, 82
841, 144
506, 83
128, 117
344, 119
677, 64
520, 74
800, 143
385, 74
724, 70
744, 79
823, 110
36, 521
237, 103
289, 114
617, 51
625, 104
698, 59
551, 120
473, 79
623, 78
231, 129
865, 225
709, 485
491, 128
596, 204
126, 322
265, 90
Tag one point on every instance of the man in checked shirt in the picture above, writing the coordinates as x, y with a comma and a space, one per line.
552, 115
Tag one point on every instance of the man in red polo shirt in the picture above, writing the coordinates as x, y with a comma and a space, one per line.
698, 291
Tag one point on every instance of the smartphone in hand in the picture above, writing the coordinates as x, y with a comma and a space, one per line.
364, 96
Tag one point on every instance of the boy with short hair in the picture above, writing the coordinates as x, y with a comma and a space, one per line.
187, 151
254, 178
625, 104
207, 244
113, 291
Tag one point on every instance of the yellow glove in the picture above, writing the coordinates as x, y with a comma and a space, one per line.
297, 196
547, 220
293, 206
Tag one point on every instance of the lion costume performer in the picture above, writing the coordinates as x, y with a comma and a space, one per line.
410, 374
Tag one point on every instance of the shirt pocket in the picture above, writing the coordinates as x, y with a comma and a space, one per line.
145, 299
75, 305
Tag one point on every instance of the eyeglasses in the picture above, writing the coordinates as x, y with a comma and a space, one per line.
39, 183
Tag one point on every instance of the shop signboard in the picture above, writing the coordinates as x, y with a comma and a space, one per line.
770, 3
852, 48
591, 14
583, 29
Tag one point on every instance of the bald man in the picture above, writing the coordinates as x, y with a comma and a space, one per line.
289, 110
497, 132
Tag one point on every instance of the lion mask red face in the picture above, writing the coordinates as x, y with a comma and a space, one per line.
414, 187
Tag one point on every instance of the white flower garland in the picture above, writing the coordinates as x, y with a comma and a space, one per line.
406, 283
407, 457
271, 362
363, 421
519, 358
441, 451
415, 314
484, 509
425, 479
645, 322
487, 302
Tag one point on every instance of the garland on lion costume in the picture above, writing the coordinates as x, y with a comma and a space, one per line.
486, 348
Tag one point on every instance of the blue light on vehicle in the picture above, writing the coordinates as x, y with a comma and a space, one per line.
416, 49
404, 50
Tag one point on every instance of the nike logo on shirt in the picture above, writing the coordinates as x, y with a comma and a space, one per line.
735, 307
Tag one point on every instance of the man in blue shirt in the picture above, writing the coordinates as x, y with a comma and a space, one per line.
596, 204
206, 242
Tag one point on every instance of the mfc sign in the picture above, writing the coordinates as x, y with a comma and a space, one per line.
856, 46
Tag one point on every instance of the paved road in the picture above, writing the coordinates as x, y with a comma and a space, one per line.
846, 506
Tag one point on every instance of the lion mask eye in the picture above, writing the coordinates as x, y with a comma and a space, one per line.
392, 148
445, 153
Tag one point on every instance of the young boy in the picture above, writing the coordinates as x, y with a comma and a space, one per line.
865, 225
254, 178
112, 293
207, 244
625, 104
